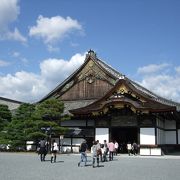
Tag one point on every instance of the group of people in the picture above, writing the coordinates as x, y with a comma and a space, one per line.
99, 152
132, 148
43, 149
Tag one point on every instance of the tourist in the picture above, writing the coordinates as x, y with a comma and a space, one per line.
42, 149
135, 148
82, 150
105, 151
111, 150
129, 148
95, 156
54, 149
99, 150
116, 145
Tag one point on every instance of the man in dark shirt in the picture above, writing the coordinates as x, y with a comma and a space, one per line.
42, 150
82, 150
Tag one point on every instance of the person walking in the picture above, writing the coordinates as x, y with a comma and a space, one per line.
83, 149
135, 148
116, 146
106, 149
95, 154
99, 150
42, 150
111, 150
54, 149
129, 148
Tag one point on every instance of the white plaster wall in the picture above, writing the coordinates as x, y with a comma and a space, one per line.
170, 137
145, 151
170, 124
156, 152
102, 134
147, 136
178, 136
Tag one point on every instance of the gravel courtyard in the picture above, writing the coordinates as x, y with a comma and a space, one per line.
27, 166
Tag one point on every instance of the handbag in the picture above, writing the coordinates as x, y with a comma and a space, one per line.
99, 152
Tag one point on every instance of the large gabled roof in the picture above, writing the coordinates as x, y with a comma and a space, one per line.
116, 75
90, 56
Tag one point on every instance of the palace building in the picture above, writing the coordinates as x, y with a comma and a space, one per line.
105, 104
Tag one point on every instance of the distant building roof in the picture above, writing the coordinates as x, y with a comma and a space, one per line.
12, 104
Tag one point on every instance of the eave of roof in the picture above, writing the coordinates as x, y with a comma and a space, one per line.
11, 100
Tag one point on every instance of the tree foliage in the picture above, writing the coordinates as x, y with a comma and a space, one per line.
5, 116
33, 122
50, 109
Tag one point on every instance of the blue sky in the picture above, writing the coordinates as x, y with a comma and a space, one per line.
42, 42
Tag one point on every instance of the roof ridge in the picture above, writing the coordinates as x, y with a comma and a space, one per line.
154, 95
116, 73
11, 100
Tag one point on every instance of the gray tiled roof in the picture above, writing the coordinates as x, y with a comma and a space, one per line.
75, 105
12, 104
139, 87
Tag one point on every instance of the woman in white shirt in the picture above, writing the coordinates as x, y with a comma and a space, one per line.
54, 149
129, 148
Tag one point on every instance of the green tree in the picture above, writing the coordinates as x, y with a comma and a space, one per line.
5, 116
14, 132
51, 112
33, 122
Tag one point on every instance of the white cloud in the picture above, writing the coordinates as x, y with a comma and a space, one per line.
166, 85
177, 69
16, 36
53, 29
152, 68
31, 87
9, 11
56, 70
4, 63
22, 86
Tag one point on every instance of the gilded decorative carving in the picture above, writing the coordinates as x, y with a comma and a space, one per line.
91, 72
90, 79
123, 89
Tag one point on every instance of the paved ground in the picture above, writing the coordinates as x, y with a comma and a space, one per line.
27, 166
